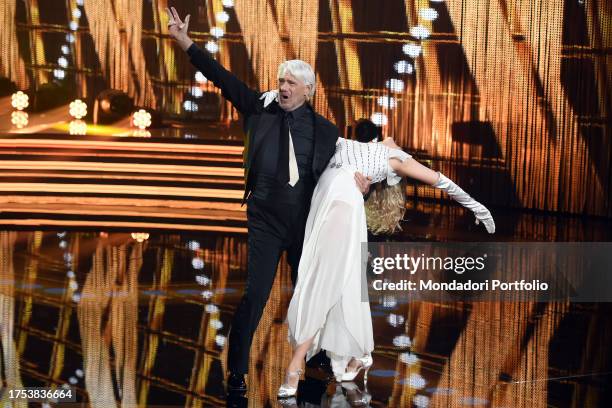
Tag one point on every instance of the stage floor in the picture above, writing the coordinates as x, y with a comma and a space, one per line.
148, 322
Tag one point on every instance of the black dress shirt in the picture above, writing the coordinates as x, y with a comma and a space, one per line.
301, 125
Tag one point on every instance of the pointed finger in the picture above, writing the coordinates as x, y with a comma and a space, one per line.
170, 16
187, 22
177, 19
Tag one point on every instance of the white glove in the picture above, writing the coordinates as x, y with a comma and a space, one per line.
463, 198
269, 97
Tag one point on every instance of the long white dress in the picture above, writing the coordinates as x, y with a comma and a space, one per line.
327, 300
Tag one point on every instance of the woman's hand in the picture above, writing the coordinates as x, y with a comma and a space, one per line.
484, 215
178, 28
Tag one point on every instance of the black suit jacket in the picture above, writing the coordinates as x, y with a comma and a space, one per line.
259, 120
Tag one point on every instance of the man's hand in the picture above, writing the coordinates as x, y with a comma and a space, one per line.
178, 29
363, 182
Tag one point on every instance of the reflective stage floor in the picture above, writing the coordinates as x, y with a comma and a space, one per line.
144, 320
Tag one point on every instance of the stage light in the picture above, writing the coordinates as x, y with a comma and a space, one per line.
389, 301
421, 401
78, 109
190, 106
412, 50
140, 236
202, 279
402, 341
20, 100
222, 17
409, 358
80, 2
211, 308
387, 101
212, 47
419, 32
403, 67
220, 340
193, 245
73, 25
228, 3
200, 78
141, 133
197, 92
59, 73
62, 62
19, 119
70, 38
416, 381
207, 294
379, 119
65, 49
395, 320
428, 14
141, 119
216, 32
76, 13
395, 85
197, 263
216, 324
77, 127
112, 105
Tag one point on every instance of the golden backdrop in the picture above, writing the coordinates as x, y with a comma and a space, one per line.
511, 98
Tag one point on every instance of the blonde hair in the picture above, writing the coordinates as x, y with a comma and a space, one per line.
385, 208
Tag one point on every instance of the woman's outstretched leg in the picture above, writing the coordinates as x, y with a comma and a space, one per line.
294, 370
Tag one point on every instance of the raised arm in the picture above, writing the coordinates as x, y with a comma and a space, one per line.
413, 169
232, 88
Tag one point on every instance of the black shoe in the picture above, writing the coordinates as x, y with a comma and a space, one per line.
236, 383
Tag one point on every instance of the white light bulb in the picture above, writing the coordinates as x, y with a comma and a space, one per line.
20, 119
395, 85
428, 14
62, 62
412, 50
20, 100
228, 3
197, 92
59, 73
403, 67
78, 109
222, 17
387, 102
379, 119
419, 32
217, 32
141, 119
212, 47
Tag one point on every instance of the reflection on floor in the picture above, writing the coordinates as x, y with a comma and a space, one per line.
141, 320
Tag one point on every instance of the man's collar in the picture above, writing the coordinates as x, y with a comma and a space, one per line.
301, 111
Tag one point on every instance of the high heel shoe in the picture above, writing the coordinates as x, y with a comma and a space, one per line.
286, 390
355, 396
366, 363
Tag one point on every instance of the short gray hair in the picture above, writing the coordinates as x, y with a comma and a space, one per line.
301, 70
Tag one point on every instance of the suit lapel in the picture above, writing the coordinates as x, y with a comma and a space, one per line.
266, 121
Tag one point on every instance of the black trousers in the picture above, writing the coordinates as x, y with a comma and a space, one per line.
273, 227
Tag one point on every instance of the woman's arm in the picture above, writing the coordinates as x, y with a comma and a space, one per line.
413, 169
232, 88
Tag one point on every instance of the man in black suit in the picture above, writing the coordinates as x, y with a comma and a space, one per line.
287, 147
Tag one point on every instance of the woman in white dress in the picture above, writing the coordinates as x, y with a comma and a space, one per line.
326, 310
